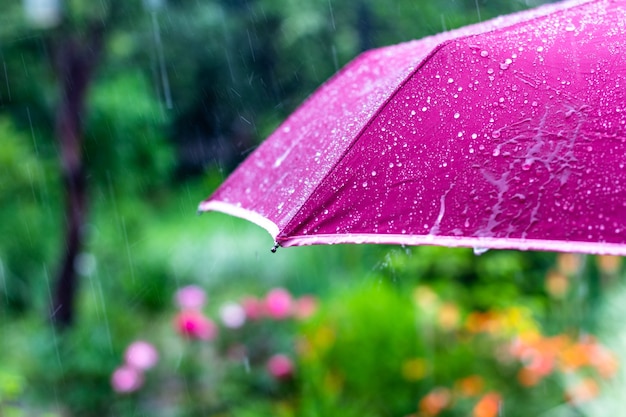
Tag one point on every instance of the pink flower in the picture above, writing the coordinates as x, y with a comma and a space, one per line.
126, 379
305, 307
195, 325
233, 315
278, 303
141, 355
280, 366
253, 308
190, 297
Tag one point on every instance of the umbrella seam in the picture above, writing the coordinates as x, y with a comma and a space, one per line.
363, 129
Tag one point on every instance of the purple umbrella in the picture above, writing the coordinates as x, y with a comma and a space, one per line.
506, 134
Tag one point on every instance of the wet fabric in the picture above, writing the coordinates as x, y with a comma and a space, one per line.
506, 134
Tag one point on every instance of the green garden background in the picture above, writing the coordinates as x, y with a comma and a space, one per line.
118, 117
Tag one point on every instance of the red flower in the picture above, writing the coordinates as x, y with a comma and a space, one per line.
195, 325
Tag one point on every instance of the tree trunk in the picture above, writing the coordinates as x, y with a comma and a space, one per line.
75, 61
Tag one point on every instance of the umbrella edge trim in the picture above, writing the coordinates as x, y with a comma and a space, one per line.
453, 241
242, 213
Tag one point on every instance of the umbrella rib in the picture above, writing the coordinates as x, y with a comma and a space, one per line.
363, 129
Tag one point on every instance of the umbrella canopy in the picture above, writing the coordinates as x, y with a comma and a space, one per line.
506, 134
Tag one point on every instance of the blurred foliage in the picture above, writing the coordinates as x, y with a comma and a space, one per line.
185, 90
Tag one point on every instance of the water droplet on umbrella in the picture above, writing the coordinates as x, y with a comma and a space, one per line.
495, 134
275, 247
450, 80
570, 27
457, 115
484, 53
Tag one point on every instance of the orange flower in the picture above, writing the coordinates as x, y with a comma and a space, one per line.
609, 264
470, 386
568, 263
557, 284
435, 401
488, 405
528, 378
449, 316
575, 357
478, 322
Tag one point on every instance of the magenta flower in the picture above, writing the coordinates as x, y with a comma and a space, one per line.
126, 379
190, 297
233, 315
280, 366
195, 325
278, 303
141, 355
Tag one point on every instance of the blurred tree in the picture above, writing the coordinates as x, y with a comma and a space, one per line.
76, 55
226, 73
68, 41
